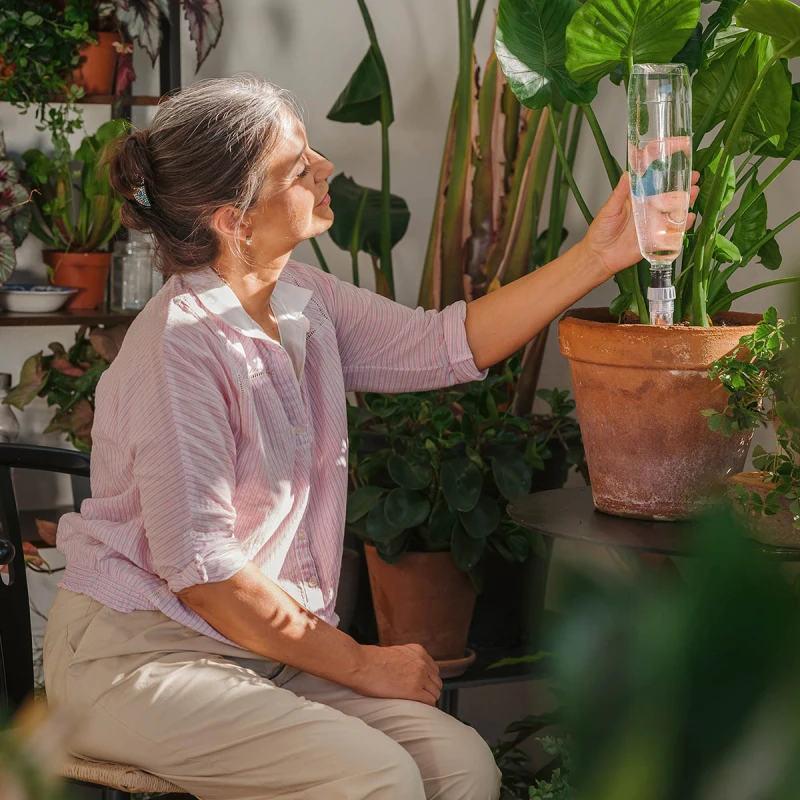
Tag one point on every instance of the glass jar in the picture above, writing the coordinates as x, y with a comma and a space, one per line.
132, 273
9, 426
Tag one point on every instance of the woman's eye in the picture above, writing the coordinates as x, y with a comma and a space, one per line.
304, 172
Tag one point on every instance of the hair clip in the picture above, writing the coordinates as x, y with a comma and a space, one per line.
140, 194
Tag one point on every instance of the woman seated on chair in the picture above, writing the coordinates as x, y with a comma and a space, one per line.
194, 631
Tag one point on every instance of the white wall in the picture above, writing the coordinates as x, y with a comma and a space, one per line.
312, 48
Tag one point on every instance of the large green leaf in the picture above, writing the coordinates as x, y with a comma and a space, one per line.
531, 47
461, 484
768, 117
406, 508
605, 33
725, 250
441, 523
409, 474
770, 254
357, 208
779, 19
513, 475
751, 227
466, 550
8, 258
792, 134
360, 501
482, 520
691, 53
707, 179
32, 379
360, 101
378, 528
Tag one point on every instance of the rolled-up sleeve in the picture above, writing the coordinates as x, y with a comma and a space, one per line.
388, 347
185, 462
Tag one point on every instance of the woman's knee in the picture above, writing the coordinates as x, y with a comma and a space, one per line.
476, 776
397, 774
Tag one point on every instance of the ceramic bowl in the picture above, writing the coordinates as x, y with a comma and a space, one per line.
33, 298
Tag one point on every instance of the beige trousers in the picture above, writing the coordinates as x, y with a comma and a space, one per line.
156, 695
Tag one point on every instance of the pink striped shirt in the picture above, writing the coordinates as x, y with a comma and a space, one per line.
210, 452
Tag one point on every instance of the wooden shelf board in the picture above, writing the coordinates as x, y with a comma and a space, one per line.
110, 99
67, 317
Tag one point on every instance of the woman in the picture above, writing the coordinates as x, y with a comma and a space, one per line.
194, 630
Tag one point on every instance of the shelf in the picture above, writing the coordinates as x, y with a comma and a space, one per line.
67, 317
110, 100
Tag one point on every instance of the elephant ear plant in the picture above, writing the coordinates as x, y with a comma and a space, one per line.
746, 118
451, 462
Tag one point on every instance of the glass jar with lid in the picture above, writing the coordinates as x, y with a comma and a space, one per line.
132, 273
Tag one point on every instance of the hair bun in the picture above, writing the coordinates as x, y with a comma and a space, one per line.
129, 165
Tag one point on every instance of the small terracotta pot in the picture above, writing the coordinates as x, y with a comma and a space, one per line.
85, 271
95, 72
640, 391
776, 530
422, 599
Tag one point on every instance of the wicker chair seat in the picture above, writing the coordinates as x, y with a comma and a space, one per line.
116, 776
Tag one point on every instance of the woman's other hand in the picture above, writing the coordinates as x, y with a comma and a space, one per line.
612, 235
404, 672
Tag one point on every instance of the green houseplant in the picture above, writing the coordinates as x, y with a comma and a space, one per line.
745, 122
762, 378
433, 495
68, 380
15, 212
76, 214
41, 45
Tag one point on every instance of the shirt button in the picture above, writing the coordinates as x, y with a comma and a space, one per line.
301, 535
313, 583
300, 430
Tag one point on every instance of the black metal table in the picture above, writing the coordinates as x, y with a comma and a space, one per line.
570, 514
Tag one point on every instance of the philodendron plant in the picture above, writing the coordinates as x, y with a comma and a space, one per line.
746, 118
448, 464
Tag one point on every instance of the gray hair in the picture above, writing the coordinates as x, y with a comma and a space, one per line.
208, 146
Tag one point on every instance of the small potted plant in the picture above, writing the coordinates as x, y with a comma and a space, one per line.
430, 503
762, 378
15, 213
68, 380
40, 46
76, 213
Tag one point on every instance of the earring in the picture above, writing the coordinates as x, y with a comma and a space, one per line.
249, 240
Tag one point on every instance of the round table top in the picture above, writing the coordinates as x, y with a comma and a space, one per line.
570, 514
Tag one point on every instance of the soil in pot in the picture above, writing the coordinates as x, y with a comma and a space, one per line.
87, 272
95, 73
776, 530
640, 392
424, 599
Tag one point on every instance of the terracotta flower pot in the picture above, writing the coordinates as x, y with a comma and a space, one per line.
640, 391
422, 599
85, 271
95, 72
778, 529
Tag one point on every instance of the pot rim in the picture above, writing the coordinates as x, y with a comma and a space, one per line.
586, 317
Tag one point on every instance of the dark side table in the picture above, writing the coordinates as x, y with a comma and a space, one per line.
570, 514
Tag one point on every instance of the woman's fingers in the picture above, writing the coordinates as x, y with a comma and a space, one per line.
693, 192
695, 176
690, 219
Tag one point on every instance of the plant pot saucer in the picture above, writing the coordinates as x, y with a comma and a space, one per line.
453, 667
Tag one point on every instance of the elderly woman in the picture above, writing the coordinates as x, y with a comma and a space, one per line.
194, 631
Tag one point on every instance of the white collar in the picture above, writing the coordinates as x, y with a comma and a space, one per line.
288, 302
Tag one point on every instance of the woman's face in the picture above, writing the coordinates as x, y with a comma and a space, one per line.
295, 205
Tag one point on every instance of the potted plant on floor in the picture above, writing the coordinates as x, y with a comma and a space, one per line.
641, 389
76, 214
431, 503
762, 379
15, 213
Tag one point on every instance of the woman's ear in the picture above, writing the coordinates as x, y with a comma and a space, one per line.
229, 224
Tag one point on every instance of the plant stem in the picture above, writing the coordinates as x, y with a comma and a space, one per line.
750, 172
612, 167
318, 252
567, 172
386, 121
761, 189
476, 17
556, 221
572, 151
736, 295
